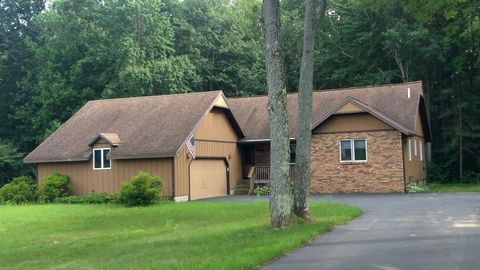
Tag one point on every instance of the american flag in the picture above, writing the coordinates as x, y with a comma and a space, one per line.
191, 146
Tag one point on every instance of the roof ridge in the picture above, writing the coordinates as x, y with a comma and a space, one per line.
366, 86
336, 89
156, 96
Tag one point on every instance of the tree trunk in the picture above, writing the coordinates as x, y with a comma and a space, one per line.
281, 196
301, 187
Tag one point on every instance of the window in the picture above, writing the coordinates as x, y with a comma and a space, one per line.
293, 152
100, 160
421, 150
353, 150
409, 149
415, 146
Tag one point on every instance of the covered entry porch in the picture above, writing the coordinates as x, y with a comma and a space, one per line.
256, 164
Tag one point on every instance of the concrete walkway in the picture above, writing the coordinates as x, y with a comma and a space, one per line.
397, 231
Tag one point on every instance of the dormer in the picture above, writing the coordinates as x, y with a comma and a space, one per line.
102, 145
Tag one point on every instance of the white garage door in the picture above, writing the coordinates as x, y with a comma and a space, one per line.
208, 178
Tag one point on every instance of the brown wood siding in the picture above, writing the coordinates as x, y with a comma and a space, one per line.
351, 123
349, 108
419, 126
215, 126
221, 102
415, 169
84, 179
181, 172
214, 138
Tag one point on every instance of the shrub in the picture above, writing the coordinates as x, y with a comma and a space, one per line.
435, 173
473, 178
142, 189
56, 185
414, 188
20, 190
92, 198
10, 162
262, 190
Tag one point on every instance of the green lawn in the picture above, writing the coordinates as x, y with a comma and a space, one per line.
193, 235
436, 187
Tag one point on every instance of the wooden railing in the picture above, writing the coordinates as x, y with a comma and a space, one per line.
261, 175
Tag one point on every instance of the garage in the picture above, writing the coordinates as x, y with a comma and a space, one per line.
208, 178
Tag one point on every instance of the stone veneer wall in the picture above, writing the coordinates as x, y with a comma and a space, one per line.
383, 172
262, 154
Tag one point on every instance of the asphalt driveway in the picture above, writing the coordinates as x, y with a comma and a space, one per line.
396, 231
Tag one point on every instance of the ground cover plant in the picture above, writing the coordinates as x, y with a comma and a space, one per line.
453, 187
166, 235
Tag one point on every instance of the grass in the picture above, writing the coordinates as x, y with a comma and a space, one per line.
455, 187
193, 235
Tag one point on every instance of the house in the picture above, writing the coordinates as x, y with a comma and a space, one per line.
368, 139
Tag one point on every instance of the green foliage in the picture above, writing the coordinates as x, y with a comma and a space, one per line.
262, 190
92, 198
52, 61
224, 43
141, 189
10, 162
435, 173
415, 188
453, 187
82, 233
15, 58
473, 178
20, 190
55, 186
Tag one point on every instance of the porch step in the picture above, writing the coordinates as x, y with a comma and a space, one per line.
243, 187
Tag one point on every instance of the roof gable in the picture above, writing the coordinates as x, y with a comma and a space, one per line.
220, 102
351, 122
216, 126
349, 107
111, 138
396, 104
354, 103
149, 127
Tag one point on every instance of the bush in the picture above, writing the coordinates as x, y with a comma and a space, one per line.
92, 198
262, 190
414, 188
10, 162
20, 190
142, 189
435, 173
56, 186
473, 178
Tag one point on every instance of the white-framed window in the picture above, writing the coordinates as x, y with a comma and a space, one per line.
415, 147
100, 160
409, 149
421, 150
353, 150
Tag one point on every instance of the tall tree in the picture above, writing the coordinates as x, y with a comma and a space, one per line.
314, 14
10, 162
281, 197
15, 30
91, 49
221, 38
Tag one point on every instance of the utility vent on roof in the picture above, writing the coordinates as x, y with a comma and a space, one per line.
408, 92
